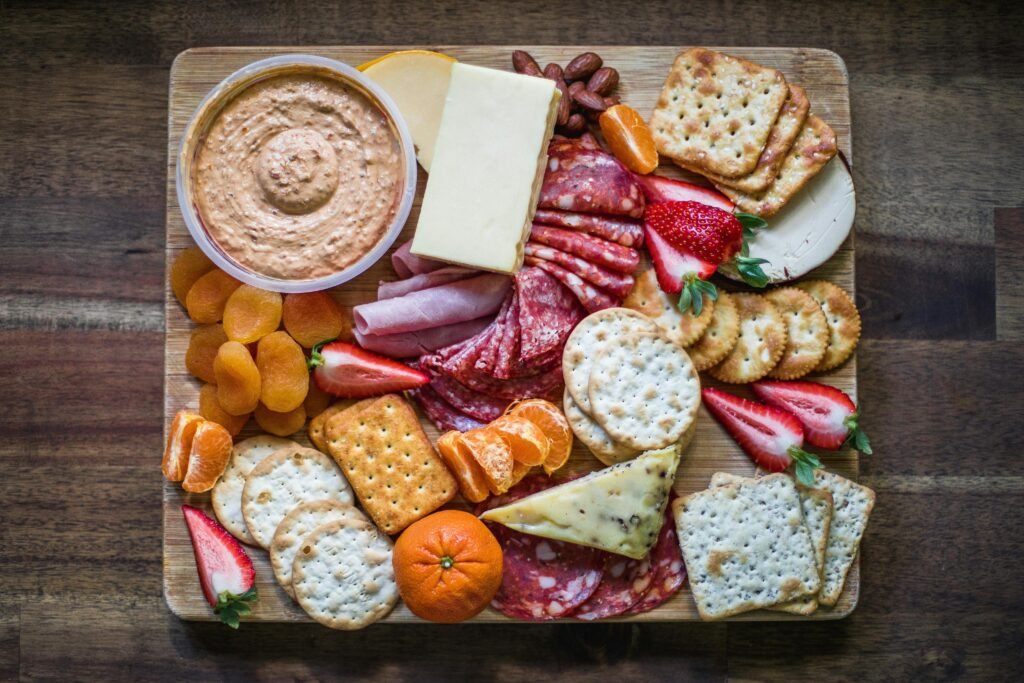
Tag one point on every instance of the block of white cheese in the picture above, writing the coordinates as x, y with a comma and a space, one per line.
619, 509
487, 168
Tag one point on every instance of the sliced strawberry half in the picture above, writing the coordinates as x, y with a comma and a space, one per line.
829, 417
658, 189
773, 438
347, 371
226, 573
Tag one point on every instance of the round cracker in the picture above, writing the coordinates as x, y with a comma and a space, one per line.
644, 391
806, 332
303, 519
286, 478
589, 338
647, 297
226, 496
843, 320
720, 336
760, 344
593, 436
342, 575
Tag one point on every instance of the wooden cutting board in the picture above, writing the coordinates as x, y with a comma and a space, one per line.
643, 70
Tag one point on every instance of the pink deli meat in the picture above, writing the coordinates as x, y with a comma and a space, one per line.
541, 579
474, 404
591, 298
594, 249
622, 231
451, 303
616, 284
419, 342
443, 414
407, 264
580, 178
667, 563
442, 276
547, 313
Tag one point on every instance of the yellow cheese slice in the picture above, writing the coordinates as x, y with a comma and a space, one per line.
487, 168
619, 509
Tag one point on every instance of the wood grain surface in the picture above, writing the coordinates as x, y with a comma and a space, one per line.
937, 96
643, 70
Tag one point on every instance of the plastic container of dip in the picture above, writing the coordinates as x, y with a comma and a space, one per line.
206, 113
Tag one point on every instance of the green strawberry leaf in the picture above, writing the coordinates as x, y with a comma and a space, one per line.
693, 293
805, 463
750, 223
750, 270
316, 359
804, 473
230, 607
858, 438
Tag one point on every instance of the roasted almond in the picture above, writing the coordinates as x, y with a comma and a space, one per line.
582, 66
603, 81
575, 125
554, 72
585, 98
564, 103
523, 63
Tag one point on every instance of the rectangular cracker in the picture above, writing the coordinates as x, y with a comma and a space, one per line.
784, 133
715, 111
389, 462
813, 148
853, 504
817, 508
745, 546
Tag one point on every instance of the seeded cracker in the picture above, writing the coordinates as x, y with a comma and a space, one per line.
720, 336
390, 463
807, 332
342, 575
303, 519
760, 345
226, 496
853, 506
647, 297
644, 391
284, 479
745, 546
815, 146
716, 111
319, 422
843, 321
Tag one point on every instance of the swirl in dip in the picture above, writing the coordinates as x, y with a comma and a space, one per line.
298, 176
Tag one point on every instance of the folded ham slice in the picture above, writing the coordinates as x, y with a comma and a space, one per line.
419, 342
407, 264
455, 302
435, 278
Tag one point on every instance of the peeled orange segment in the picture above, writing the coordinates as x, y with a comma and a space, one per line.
629, 138
530, 445
519, 470
492, 453
463, 467
552, 422
179, 444
211, 450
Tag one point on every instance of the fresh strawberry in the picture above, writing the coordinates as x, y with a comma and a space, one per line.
348, 371
225, 570
773, 438
828, 415
694, 240
659, 189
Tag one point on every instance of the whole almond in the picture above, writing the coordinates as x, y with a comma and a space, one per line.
564, 103
523, 63
582, 66
585, 98
575, 125
554, 72
611, 101
603, 81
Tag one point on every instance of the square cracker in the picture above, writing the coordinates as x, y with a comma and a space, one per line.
745, 546
817, 509
716, 111
389, 462
784, 133
813, 148
853, 506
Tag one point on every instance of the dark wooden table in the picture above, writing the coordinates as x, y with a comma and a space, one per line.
938, 104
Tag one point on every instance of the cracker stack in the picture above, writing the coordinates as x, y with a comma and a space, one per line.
742, 126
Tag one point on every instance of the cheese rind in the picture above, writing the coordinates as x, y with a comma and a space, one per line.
487, 168
618, 509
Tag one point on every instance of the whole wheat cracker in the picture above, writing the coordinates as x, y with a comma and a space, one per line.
720, 336
745, 546
649, 298
303, 519
843, 320
716, 111
760, 345
226, 496
807, 332
593, 436
813, 148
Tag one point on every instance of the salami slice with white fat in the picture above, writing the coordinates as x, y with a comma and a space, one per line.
594, 249
584, 178
616, 284
624, 583
474, 404
667, 563
592, 298
541, 579
508, 349
547, 313
443, 414
622, 231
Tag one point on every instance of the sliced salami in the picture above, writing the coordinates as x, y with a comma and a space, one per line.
581, 177
624, 583
547, 313
443, 414
622, 231
474, 404
588, 295
489, 352
541, 579
616, 284
547, 384
508, 349
594, 249
667, 563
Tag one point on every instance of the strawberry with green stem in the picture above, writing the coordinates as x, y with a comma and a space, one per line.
829, 417
348, 371
226, 574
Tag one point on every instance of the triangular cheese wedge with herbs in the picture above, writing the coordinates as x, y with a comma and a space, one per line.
619, 509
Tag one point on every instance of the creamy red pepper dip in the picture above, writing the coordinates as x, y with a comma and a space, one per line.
298, 176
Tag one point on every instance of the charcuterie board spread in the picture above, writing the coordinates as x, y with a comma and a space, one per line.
501, 333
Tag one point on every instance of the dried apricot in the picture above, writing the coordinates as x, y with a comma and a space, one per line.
205, 300
238, 379
203, 345
188, 266
251, 313
211, 450
282, 367
317, 400
629, 138
312, 318
209, 408
280, 424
